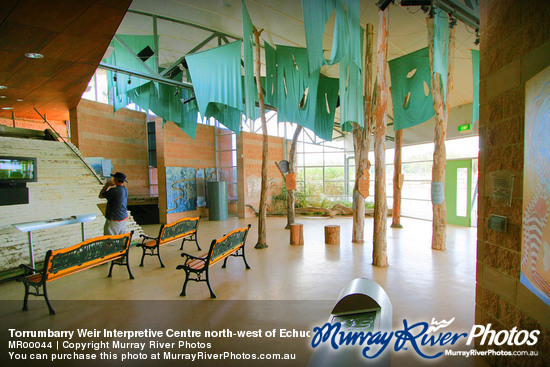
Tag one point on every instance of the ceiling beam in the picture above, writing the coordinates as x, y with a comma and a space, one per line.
154, 78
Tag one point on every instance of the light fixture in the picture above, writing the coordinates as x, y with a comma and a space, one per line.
34, 55
3, 87
19, 100
3, 97
7, 108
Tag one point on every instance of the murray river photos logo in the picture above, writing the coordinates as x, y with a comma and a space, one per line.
418, 336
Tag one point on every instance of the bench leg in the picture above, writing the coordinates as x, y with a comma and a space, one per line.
224, 262
142, 255
197, 242
185, 283
182, 243
52, 312
111, 269
25, 300
158, 254
244, 258
212, 295
128, 267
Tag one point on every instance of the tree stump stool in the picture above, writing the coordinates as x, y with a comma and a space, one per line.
332, 235
296, 234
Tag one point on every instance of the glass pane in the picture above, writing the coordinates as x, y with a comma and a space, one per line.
225, 159
299, 160
314, 174
313, 159
462, 196
314, 148
299, 174
334, 173
336, 159
334, 188
225, 141
416, 190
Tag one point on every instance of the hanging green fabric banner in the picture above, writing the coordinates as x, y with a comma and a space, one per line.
125, 50
228, 116
167, 102
475, 102
297, 89
270, 85
250, 89
216, 77
327, 97
410, 89
346, 36
351, 90
441, 47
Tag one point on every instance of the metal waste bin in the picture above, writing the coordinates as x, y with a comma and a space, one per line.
217, 200
363, 306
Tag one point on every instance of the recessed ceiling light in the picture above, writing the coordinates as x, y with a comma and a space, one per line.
19, 100
7, 108
3, 97
3, 87
34, 55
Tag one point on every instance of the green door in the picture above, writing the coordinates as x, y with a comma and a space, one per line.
458, 189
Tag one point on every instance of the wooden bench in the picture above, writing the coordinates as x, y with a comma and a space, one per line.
185, 228
231, 244
85, 255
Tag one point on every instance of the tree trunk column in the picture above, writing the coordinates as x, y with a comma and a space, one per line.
291, 201
361, 142
439, 222
397, 181
379, 251
263, 193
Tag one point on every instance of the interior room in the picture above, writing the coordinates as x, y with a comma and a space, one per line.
356, 157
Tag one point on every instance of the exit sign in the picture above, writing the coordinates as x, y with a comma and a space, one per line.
465, 127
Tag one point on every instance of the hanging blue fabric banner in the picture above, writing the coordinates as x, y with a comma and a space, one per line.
410, 89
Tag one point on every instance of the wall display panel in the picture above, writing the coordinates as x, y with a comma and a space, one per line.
535, 251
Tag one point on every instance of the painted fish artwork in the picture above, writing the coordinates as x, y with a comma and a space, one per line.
181, 192
535, 251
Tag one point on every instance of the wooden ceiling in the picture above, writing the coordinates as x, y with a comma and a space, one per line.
73, 37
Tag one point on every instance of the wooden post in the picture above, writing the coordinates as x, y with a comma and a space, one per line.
296, 234
397, 180
263, 193
439, 223
379, 251
291, 201
332, 235
361, 141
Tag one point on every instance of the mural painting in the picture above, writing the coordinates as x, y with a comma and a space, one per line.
535, 252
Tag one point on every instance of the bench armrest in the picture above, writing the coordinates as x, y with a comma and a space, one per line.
144, 236
191, 257
28, 270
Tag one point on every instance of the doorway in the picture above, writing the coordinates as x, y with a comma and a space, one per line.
458, 192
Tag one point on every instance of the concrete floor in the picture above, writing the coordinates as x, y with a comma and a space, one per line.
421, 283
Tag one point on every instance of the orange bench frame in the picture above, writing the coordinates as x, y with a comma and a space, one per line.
59, 264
